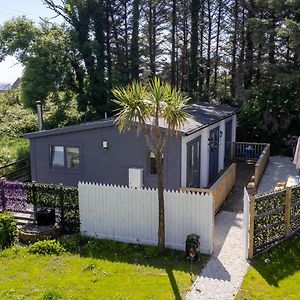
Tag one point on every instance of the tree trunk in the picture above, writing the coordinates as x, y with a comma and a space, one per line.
208, 62
243, 43
173, 51
234, 50
193, 78
152, 37
161, 203
249, 49
184, 71
121, 64
201, 59
217, 43
134, 48
160, 184
259, 61
108, 51
99, 90
272, 42
126, 38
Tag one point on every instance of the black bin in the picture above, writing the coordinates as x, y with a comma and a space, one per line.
192, 245
45, 216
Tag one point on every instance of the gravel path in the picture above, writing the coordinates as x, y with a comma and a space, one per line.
223, 274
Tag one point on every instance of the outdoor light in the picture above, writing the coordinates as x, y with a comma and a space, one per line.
221, 133
104, 145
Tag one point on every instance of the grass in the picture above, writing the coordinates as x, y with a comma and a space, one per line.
96, 269
278, 279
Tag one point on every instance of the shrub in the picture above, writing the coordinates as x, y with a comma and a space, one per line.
46, 247
8, 230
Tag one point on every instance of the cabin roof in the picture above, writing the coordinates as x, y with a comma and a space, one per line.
202, 115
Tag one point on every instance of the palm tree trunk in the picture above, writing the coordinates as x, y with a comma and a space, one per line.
161, 203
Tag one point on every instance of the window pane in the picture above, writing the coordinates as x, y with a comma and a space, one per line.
73, 157
153, 170
193, 164
152, 163
57, 154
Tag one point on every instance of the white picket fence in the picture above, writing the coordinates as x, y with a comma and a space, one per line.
246, 222
131, 215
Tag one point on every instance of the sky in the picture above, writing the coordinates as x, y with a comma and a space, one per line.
11, 69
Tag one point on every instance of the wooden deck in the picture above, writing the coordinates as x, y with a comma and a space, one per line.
244, 172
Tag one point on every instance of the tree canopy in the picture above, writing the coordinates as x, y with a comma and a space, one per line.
239, 52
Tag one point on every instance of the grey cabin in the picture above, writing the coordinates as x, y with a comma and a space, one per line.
98, 152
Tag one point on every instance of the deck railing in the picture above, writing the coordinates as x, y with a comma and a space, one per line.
18, 170
221, 188
248, 151
261, 165
258, 153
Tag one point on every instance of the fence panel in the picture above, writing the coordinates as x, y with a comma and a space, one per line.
131, 215
276, 217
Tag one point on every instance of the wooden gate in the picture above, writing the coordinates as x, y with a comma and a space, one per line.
273, 217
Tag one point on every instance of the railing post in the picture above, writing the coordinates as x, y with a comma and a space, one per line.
251, 227
287, 211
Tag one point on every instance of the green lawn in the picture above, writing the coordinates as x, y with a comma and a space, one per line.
278, 279
95, 269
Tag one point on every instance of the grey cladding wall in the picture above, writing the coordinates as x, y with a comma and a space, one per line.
109, 166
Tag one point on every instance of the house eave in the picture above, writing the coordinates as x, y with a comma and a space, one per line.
212, 123
69, 129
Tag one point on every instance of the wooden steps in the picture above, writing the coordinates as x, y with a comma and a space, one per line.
23, 217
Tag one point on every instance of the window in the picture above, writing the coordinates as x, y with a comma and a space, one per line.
65, 157
72, 157
57, 154
152, 164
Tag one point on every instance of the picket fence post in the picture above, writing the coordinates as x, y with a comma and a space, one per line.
251, 227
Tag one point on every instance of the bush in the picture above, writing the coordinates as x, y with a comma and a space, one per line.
8, 230
46, 247
12, 149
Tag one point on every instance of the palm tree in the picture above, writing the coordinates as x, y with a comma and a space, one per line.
144, 108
